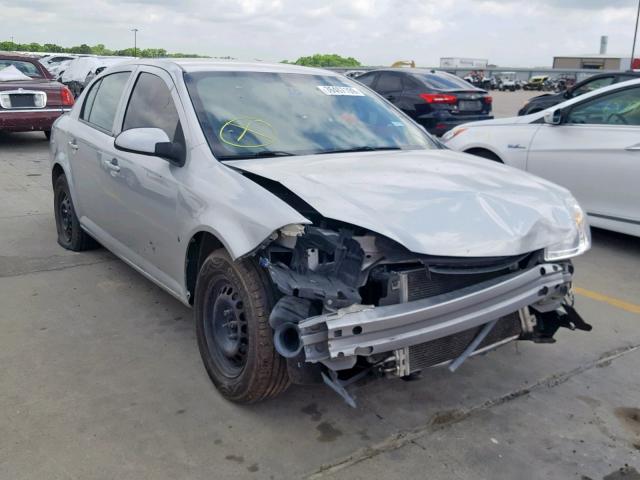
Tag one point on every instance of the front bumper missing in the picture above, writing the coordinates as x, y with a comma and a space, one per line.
336, 339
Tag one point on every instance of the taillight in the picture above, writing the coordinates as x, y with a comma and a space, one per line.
439, 98
488, 99
67, 97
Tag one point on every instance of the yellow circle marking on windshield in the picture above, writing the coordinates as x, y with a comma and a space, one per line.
247, 133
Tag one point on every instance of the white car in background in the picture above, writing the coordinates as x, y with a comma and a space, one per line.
589, 144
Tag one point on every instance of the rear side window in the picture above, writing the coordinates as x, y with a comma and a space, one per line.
594, 85
389, 82
102, 101
151, 106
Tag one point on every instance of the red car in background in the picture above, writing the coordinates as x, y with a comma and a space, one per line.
31, 101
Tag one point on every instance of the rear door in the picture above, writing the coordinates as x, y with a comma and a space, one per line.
90, 149
595, 154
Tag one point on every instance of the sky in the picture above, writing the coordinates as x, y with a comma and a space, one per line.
376, 32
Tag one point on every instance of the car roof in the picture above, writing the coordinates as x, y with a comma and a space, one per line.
411, 71
17, 56
210, 65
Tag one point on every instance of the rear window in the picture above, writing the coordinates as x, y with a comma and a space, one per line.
444, 81
27, 68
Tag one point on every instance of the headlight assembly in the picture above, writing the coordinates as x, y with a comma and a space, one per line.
578, 241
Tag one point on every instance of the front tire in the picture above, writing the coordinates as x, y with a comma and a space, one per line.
70, 234
232, 303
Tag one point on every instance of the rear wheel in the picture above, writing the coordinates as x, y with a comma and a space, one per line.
70, 234
47, 133
232, 303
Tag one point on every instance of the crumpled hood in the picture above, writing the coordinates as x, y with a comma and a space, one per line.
435, 202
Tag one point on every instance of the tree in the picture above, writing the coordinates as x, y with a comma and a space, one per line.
327, 60
98, 49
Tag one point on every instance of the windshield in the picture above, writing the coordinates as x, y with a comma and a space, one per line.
27, 68
256, 114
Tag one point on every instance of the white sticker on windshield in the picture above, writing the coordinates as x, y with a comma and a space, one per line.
344, 91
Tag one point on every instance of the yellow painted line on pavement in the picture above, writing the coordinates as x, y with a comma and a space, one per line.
614, 302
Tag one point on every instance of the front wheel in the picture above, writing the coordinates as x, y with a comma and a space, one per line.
232, 303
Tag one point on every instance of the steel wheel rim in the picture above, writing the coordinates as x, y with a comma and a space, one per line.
225, 327
66, 218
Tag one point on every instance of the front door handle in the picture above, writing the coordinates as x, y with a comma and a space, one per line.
73, 144
113, 165
391, 98
633, 147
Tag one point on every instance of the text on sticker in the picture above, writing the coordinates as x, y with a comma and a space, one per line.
348, 91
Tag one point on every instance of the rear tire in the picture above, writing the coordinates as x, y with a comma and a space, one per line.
47, 133
70, 234
232, 304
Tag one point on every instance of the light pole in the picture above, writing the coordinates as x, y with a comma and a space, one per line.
635, 36
135, 41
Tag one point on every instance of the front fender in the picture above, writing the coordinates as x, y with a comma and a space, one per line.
221, 201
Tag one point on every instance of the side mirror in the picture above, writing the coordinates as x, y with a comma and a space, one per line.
151, 141
554, 117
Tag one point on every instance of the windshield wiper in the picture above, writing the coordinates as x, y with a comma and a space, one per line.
266, 154
360, 149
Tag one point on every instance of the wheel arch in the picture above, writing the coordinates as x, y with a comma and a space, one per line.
485, 152
200, 245
56, 171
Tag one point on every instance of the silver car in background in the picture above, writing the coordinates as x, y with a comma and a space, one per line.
319, 234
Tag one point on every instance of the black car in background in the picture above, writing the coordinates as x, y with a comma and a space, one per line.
537, 104
436, 100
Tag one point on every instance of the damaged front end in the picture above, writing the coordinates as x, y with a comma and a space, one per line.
355, 303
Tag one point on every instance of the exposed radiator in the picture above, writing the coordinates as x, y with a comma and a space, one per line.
417, 284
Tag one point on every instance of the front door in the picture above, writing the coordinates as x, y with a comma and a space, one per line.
595, 153
146, 187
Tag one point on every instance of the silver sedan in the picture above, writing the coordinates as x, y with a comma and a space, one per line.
319, 234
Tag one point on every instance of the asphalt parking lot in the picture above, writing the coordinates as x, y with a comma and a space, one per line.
100, 377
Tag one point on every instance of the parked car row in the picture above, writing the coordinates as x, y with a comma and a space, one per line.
319, 234
436, 100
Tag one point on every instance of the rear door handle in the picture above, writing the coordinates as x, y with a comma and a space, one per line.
73, 145
633, 147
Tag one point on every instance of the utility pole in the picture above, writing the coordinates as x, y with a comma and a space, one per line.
635, 36
12, 39
135, 41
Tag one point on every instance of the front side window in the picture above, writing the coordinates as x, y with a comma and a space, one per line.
252, 114
618, 108
100, 107
593, 85
366, 79
151, 106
